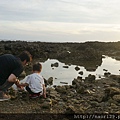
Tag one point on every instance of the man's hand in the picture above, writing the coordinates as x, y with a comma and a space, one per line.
18, 84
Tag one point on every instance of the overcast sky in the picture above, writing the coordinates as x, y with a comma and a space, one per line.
60, 20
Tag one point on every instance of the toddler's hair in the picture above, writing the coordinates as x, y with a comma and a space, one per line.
37, 67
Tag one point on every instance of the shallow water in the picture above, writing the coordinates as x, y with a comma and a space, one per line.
67, 75
61, 74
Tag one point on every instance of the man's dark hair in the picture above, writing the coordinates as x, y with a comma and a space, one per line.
37, 67
25, 55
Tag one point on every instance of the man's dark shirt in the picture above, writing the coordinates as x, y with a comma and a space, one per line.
9, 64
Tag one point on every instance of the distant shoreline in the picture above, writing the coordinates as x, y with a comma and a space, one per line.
32, 41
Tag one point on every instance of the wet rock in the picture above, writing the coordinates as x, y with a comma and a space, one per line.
55, 64
61, 89
91, 69
81, 72
105, 70
50, 81
76, 82
46, 82
115, 77
106, 74
79, 78
65, 66
63, 82
90, 78
77, 68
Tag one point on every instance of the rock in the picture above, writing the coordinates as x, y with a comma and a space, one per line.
12, 91
115, 77
79, 78
80, 90
106, 74
77, 68
64, 82
81, 72
76, 82
91, 69
55, 64
65, 66
61, 89
75, 101
54, 101
110, 92
50, 81
105, 70
94, 104
116, 98
90, 78
45, 105
46, 82
63, 54
70, 109
52, 93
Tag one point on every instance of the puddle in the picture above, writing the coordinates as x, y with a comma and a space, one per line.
67, 73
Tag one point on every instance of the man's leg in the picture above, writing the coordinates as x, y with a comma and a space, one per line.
3, 89
6, 86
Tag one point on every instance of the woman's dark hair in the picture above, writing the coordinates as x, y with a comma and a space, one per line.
37, 67
25, 55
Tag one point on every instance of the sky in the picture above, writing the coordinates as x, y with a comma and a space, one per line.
60, 20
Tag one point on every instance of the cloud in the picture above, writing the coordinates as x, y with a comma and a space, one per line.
41, 30
60, 19
92, 11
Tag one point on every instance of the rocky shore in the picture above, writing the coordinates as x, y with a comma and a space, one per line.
83, 96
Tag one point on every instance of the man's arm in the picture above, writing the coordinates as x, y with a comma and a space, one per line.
12, 78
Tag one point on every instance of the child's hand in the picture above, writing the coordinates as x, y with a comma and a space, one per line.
17, 82
20, 87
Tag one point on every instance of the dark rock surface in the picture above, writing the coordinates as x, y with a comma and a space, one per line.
83, 96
